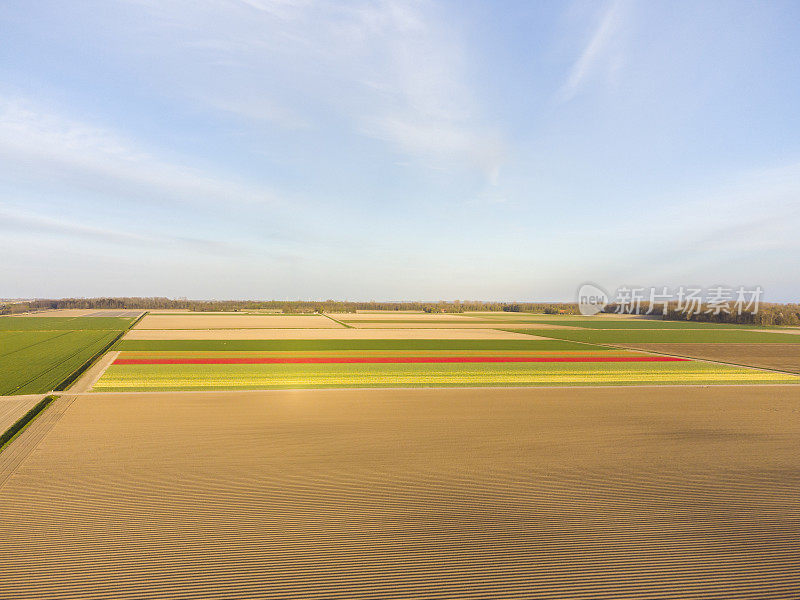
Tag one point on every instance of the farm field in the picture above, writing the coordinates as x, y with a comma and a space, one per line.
413, 351
341, 333
784, 357
394, 315
305, 345
33, 323
517, 493
234, 321
87, 312
672, 336
560, 323
609, 323
217, 373
36, 355
13, 407
464, 323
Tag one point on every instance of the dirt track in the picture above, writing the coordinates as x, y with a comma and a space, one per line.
783, 357
612, 493
90, 377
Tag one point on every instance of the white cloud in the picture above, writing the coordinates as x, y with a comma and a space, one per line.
394, 71
599, 53
38, 145
428, 110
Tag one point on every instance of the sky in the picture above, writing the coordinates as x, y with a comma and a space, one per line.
388, 150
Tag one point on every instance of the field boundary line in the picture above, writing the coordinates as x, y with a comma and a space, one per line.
705, 360
75, 375
93, 373
17, 426
343, 324
25, 441
445, 388
55, 366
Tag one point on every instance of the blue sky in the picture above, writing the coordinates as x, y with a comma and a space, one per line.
397, 150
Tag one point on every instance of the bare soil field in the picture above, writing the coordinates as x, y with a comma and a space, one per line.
13, 407
325, 334
784, 357
792, 330
571, 494
396, 315
234, 321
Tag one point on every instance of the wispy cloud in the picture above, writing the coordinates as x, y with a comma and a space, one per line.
599, 53
393, 71
14, 222
39, 145
428, 110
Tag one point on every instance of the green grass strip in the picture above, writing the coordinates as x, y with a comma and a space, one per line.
323, 345
677, 336
605, 323
60, 323
24, 421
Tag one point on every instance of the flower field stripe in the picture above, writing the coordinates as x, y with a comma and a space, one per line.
393, 359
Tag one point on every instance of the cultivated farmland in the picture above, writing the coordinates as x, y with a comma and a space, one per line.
783, 357
416, 350
711, 335
257, 372
37, 354
340, 333
235, 321
563, 494
203, 456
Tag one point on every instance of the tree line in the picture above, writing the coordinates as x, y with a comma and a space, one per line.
768, 315
287, 306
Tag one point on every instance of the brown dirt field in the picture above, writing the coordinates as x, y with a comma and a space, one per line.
570, 494
326, 334
514, 315
397, 316
792, 330
13, 407
206, 321
784, 357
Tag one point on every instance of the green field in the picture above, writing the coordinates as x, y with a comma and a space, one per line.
63, 323
678, 336
43, 352
122, 378
605, 323
321, 345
